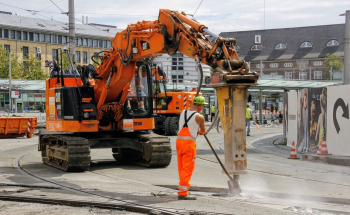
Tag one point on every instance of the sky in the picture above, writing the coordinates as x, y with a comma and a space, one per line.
219, 16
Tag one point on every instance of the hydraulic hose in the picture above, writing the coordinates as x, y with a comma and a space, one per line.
201, 75
215, 119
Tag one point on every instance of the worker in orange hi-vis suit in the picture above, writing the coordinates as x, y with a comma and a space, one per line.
191, 123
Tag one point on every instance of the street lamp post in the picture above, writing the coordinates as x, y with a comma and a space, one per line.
346, 48
10, 102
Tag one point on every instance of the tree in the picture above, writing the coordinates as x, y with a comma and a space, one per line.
333, 62
65, 61
32, 69
16, 66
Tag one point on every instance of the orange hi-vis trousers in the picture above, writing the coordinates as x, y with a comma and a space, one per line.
186, 157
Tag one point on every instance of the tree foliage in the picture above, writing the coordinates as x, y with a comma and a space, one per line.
334, 62
16, 67
28, 69
65, 61
32, 69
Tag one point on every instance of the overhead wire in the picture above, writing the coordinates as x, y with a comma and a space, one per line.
57, 6
197, 8
50, 6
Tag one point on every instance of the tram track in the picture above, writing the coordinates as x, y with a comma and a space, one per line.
118, 204
115, 203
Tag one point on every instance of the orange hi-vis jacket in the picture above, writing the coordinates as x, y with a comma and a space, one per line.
186, 156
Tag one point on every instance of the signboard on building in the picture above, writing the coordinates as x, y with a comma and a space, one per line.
258, 39
16, 94
338, 122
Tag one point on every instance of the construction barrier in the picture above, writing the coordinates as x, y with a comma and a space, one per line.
322, 150
17, 126
293, 152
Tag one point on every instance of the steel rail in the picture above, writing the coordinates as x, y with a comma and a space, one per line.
122, 204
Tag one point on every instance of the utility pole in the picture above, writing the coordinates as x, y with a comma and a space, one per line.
346, 48
71, 34
10, 102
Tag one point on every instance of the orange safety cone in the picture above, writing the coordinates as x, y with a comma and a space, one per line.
323, 148
293, 152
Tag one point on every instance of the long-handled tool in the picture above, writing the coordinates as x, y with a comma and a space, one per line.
233, 185
256, 124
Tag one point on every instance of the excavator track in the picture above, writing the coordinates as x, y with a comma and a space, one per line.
156, 151
67, 153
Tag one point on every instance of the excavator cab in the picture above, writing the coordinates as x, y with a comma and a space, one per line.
139, 99
159, 89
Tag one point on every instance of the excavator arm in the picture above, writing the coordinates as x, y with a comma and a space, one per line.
172, 32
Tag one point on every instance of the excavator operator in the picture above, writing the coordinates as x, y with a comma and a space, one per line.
191, 124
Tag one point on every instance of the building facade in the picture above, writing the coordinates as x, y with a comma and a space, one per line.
291, 53
46, 38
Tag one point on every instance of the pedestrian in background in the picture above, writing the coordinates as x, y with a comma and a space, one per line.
248, 116
191, 123
212, 111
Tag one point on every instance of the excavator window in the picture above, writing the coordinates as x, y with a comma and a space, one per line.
138, 97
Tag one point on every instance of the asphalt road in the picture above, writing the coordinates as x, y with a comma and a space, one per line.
273, 184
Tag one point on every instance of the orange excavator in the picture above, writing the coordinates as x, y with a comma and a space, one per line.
167, 106
111, 105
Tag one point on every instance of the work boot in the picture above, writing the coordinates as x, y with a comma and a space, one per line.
188, 197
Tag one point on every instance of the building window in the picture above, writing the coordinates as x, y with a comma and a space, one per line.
80, 42
0, 33
25, 65
104, 43
36, 37
177, 78
25, 35
76, 41
37, 54
59, 39
177, 62
273, 65
317, 63
306, 45
6, 33
18, 35
85, 42
258, 65
54, 38
90, 42
95, 43
333, 43
7, 48
78, 56
84, 57
289, 75
288, 64
281, 46
255, 47
64, 40
100, 43
48, 38
109, 44
318, 75
302, 75
55, 54
25, 52
42, 38
12, 34
31, 36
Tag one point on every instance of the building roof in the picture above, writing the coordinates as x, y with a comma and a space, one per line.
25, 85
318, 36
22, 23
